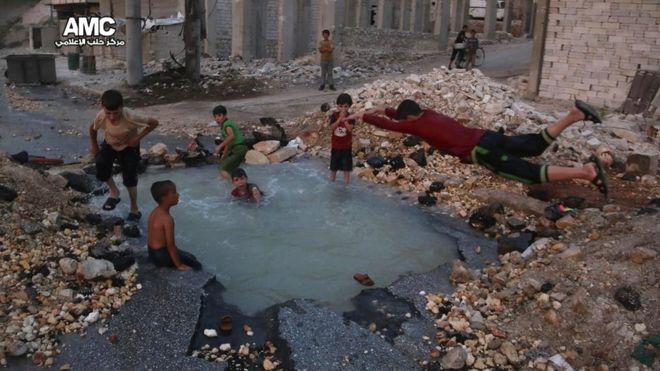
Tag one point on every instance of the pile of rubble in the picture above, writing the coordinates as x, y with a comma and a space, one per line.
56, 276
303, 70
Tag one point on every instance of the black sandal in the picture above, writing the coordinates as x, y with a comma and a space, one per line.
590, 113
111, 203
600, 181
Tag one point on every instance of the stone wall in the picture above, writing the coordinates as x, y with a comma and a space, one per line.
218, 28
594, 47
388, 40
272, 33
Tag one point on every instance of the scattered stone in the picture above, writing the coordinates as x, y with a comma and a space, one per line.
211, 333
511, 200
628, 297
7, 194
94, 268
31, 228
640, 254
482, 218
419, 157
253, 157
396, 162
551, 317
282, 155
516, 224
17, 348
514, 242
92, 317
426, 200
436, 187
225, 347
158, 150
565, 222
640, 164
411, 141
267, 147
131, 230
454, 359
376, 162
509, 350
459, 273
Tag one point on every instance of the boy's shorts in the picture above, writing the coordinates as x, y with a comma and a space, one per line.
128, 158
234, 158
341, 159
501, 154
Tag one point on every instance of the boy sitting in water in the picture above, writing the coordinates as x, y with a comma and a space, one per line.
160, 231
244, 190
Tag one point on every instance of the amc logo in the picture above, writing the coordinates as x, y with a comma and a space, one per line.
89, 27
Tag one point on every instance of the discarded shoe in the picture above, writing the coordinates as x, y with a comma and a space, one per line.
363, 279
590, 113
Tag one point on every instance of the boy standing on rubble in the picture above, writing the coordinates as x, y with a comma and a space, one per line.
326, 47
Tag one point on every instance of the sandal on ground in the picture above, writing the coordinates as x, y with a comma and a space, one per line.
590, 113
134, 217
600, 181
111, 203
363, 279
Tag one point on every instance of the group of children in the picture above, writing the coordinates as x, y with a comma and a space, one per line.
465, 47
502, 154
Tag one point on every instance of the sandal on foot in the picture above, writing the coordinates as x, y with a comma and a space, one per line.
134, 217
111, 203
590, 113
600, 181
363, 279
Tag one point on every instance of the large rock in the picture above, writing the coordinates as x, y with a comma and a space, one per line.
511, 200
158, 150
80, 181
267, 147
628, 297
641, 164
514, 242
95, 268
282, 154
640, 254
17, 348
68, 265
7, 194
454, 359
419, 157
376, 162
253, 157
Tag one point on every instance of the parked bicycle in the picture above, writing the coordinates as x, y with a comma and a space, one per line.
479, 58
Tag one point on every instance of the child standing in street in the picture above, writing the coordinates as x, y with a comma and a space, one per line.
341, 156
471, 46
326, 47
121, 141
233, 147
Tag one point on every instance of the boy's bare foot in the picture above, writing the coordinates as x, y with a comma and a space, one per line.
183, 268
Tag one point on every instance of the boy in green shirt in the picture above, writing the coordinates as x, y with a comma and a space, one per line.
233, 148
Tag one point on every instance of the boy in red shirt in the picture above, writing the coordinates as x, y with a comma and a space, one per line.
495, 151
341, 156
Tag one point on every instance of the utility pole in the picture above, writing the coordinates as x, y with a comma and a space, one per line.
133, 42
191, 38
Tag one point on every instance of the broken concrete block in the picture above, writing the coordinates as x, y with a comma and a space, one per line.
267, 146
253, 157
641, 164
282, 154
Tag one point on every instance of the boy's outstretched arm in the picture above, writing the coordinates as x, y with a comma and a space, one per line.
93, 136
152, 123
168, 225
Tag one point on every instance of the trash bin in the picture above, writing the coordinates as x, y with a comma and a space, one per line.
88, 64
73, 60
31, 68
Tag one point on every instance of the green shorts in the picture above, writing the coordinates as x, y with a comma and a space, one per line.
234, 158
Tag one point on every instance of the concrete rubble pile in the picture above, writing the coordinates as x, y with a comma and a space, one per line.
52, 280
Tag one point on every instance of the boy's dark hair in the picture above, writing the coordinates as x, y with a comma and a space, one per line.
219, 110
112, 100
161, 188
325, 32
407, 108
465, 27
238, 173
344, 98
473, 31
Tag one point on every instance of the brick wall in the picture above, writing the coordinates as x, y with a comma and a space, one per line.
594, 47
